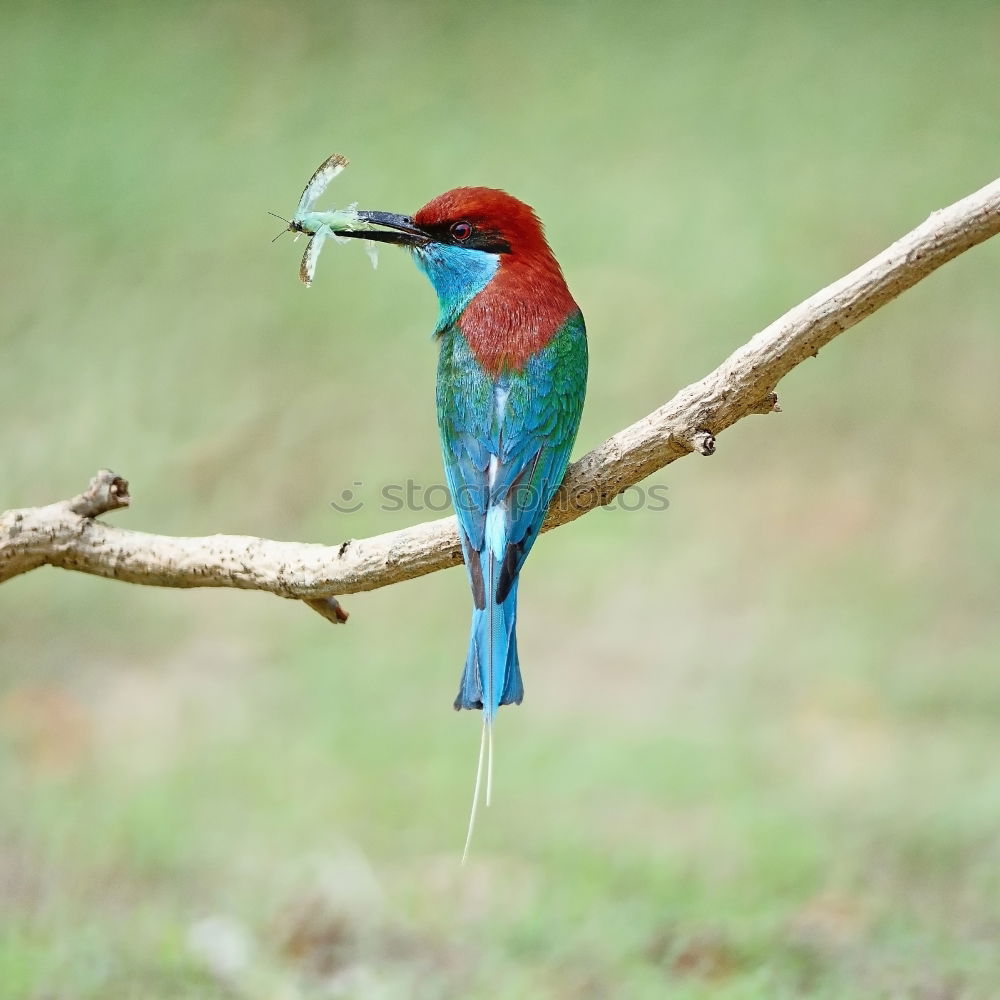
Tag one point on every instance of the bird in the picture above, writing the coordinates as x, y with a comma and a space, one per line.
511, 381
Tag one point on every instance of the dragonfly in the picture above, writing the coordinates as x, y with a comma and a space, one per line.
320, 226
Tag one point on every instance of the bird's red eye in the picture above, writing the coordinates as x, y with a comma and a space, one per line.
461, 231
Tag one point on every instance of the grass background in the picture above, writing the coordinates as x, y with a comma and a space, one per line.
758, 753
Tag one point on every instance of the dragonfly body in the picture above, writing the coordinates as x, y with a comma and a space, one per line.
312, 223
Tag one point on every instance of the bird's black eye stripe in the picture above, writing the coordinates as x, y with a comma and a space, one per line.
478, 237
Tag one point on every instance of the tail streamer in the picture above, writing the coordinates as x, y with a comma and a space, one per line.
475, 793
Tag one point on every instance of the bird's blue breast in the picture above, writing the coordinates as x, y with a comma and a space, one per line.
458, 275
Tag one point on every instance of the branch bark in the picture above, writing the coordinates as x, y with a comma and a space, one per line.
68, 534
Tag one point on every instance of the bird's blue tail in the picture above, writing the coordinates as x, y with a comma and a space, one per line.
492, 675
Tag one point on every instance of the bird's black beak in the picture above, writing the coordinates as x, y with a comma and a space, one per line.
400, 229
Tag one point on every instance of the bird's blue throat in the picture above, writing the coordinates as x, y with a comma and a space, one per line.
458, 275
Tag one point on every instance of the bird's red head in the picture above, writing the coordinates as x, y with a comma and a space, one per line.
482, 218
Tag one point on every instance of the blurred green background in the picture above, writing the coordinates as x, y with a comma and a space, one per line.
758, 755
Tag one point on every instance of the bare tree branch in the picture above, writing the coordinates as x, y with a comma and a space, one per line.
67, 533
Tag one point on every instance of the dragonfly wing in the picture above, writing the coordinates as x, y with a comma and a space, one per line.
325, 173
308, 266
